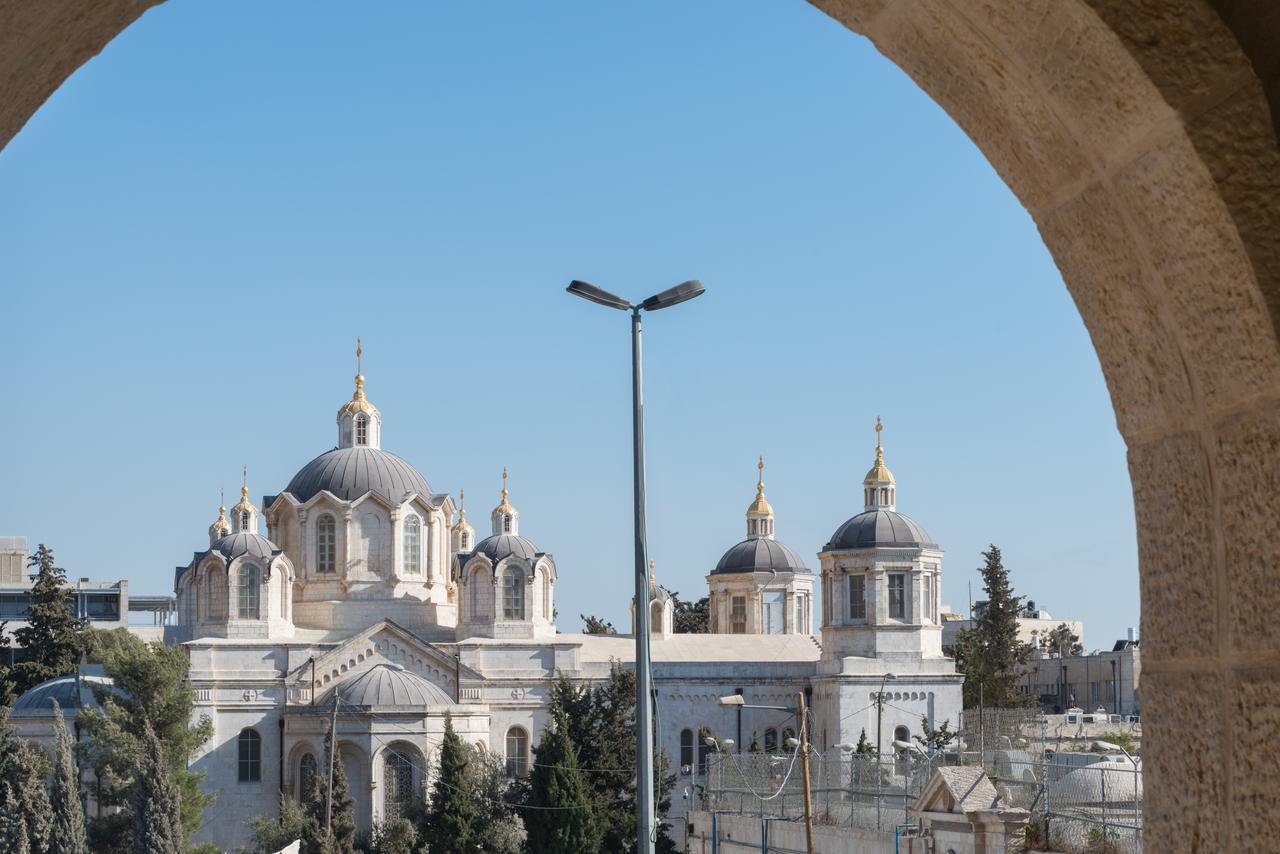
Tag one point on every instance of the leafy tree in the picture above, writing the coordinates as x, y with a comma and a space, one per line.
1122, 739
394, 836
450, 823
53, 638
340, 836
864, 746
271, 833
597, 626
692, 617
150, 691
989, 652
560, 821
1063, 641
14, 837
23, 770
157, 816
67, 835
932, 739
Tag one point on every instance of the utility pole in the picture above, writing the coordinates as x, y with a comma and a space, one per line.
333, 749
804, 768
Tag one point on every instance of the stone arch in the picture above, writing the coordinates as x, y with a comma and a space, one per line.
1141, 140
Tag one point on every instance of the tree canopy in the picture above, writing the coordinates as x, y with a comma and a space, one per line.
53, 638
988, 653
692, 617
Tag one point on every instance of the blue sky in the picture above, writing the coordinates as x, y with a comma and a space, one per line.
196, 226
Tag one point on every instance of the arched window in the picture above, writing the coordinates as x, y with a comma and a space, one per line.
244, 520
771, 740
686, 749
464, 542
247, 594
326, 544
506, 523
787, 735
751, 526
398, 769
362, 430
517, 752
513, 595
704, 750
306, 777
546, 596
901, 733
250, 747
480, 595
412, 545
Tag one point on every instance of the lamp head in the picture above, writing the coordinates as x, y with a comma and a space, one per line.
733, 700
673, 296
597, 295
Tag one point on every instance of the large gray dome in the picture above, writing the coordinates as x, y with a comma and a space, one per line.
64, 690
254, 545
880, 529
351, 472
760, 555
391, 685
500, 546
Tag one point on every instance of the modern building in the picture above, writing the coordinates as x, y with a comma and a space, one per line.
365, 599
1110, 680
1034, 625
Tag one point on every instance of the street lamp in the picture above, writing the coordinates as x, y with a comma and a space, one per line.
880, 708
645, 815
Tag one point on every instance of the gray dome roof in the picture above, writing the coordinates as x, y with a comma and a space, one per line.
760, 555
65, 690
500, 546
880, 528
254, 545
391, 685
351, 472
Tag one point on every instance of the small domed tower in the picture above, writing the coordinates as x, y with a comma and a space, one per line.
462, 536
221, 526
359, 421
760, 586
505, 518
879, 489
244, 515
662, 609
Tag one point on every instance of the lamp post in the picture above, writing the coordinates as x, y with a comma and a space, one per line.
879, 727
645, 817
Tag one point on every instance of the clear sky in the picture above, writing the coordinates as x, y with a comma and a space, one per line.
196, 226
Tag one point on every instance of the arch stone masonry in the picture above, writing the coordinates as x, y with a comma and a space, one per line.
1141, 137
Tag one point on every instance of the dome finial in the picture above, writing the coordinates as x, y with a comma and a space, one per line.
879, 472
220, 524
760, 507
359, 395
504, 506
462, 504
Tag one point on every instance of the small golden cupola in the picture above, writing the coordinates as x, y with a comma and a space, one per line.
879, 487
359, 421
221, 526
244, 515
463, 536
506, 519
760, 513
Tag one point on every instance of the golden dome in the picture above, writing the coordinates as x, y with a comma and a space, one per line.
879, 471
505, 505
221, 522
245, 503
760, 507
358, 402
461, 524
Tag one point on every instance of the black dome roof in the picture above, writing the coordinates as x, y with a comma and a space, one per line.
351, 472
880, 528
760, 555
233, 546
500, 546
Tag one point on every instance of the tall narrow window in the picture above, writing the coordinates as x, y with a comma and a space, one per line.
362, 430
546, 597
506, 523
306, 777
513, 595
517, 752
250, 759
398, 770
244, 520
704, 750
412, 545
771, 740
738, 615
686, 749
774, 605
897, 596
326, 544
247, 595
857, 597
927, 596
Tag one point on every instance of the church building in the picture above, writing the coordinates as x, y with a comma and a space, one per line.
371, 601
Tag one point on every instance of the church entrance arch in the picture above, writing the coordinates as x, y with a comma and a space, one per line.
1141, 137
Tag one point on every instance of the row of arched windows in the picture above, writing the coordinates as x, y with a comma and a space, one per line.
688, 749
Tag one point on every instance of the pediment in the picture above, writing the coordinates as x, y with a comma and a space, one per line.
385, 642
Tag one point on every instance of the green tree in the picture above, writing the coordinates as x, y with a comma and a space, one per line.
342, 839
67, 835
53, 638
989, 653
24, 769
451, 818
692, 617
935, 739
394, 836
157, 816
864, 746
291, 821
13, 824
499, 829
560, 820
1063, 641
597, 626
150, 690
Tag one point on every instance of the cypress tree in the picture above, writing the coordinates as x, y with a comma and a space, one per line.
988, 653
560, 820
13, 824
53, 638
68, 832
157, 816
30, 768
343, 838
450, 823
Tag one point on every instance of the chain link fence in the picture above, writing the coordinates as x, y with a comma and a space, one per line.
1080, 802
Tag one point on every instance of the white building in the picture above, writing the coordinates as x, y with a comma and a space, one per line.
365, 592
